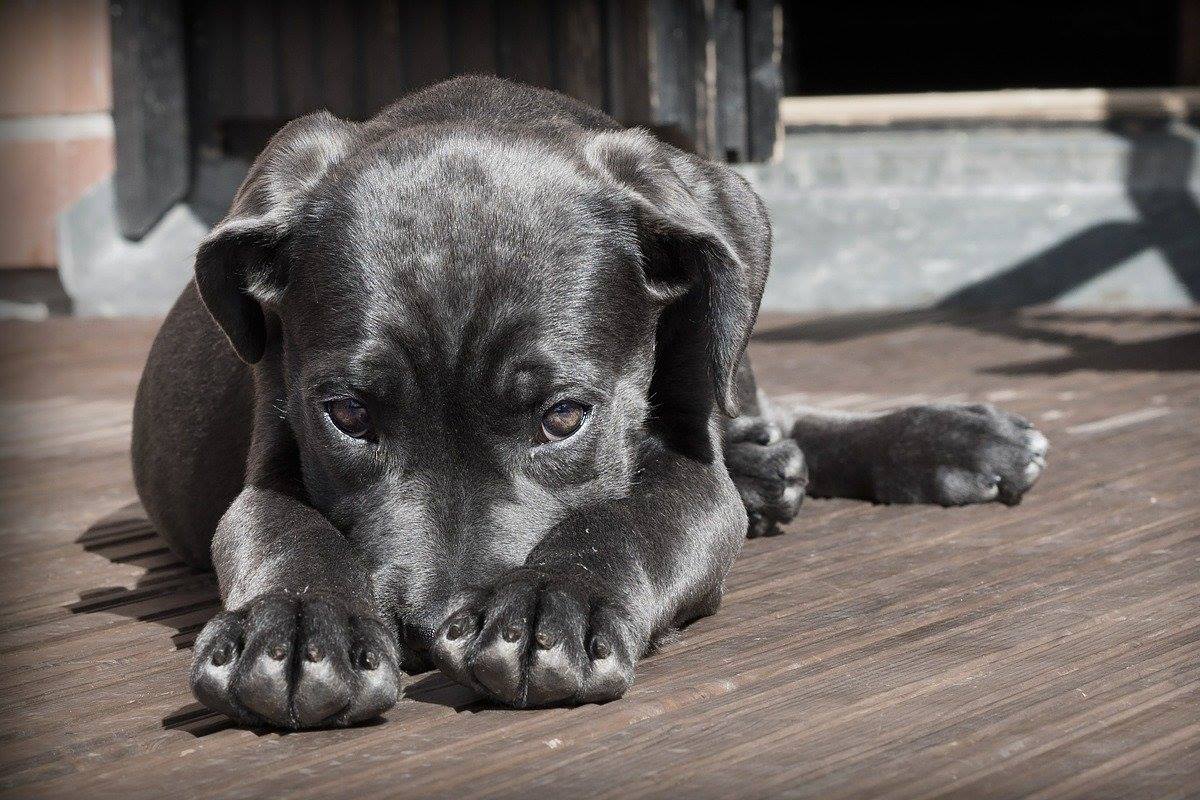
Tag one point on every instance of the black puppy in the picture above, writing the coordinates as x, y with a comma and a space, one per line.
455, 387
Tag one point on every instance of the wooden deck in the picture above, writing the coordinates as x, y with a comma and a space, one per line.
1050, 650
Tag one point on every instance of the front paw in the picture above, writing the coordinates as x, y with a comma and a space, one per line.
536, 639
957, 454
296, 662
768, 471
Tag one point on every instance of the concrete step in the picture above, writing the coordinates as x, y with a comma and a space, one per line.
1078, 216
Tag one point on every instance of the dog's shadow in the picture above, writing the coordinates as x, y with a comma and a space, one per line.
168, 593
182, 599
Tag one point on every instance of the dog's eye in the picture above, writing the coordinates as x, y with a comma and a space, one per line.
562, 420
350, 417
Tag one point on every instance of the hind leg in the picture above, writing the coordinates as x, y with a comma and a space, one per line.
767, 467
946, 454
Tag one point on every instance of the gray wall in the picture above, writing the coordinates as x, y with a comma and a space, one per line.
1082, 217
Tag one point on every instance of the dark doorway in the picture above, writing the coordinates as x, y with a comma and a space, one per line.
878, 48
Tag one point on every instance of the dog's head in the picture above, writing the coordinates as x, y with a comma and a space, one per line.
470, 336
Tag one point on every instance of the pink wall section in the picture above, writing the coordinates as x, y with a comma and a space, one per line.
55, 130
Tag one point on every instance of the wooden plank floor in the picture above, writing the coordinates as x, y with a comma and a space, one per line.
1050, 650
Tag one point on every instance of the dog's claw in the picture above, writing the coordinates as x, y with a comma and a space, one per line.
601, 649
345, 669
544, 640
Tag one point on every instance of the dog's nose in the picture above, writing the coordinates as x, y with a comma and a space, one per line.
417, 636
416, 640
418, 622
419, 642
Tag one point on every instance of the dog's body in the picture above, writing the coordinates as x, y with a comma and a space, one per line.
478, 409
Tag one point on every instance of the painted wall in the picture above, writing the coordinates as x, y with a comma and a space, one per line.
55, 127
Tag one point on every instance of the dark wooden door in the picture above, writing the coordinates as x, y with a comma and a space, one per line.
703, 74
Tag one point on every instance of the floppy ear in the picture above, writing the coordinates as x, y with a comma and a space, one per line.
239, 266
705, 240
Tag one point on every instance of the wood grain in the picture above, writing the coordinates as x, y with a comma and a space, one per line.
1049, 650
382, 55
299, 34
473, 39
578, 50
729, 34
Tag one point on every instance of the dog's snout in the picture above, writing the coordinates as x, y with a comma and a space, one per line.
416, 638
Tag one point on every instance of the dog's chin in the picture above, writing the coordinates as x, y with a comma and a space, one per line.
415, 643
414, 663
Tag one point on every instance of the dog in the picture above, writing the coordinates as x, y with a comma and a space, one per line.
464, 386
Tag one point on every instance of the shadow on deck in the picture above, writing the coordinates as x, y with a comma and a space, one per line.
1172, 351
182, 599
169, 593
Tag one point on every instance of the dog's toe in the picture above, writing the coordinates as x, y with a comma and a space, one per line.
295, 663
375, 672
611, 655
557, 658
757, 430
957, 455
1036, 442
955, 486
320, 691
537, 641
453, 643
216, 654
980, 454
262, 686
322, 672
